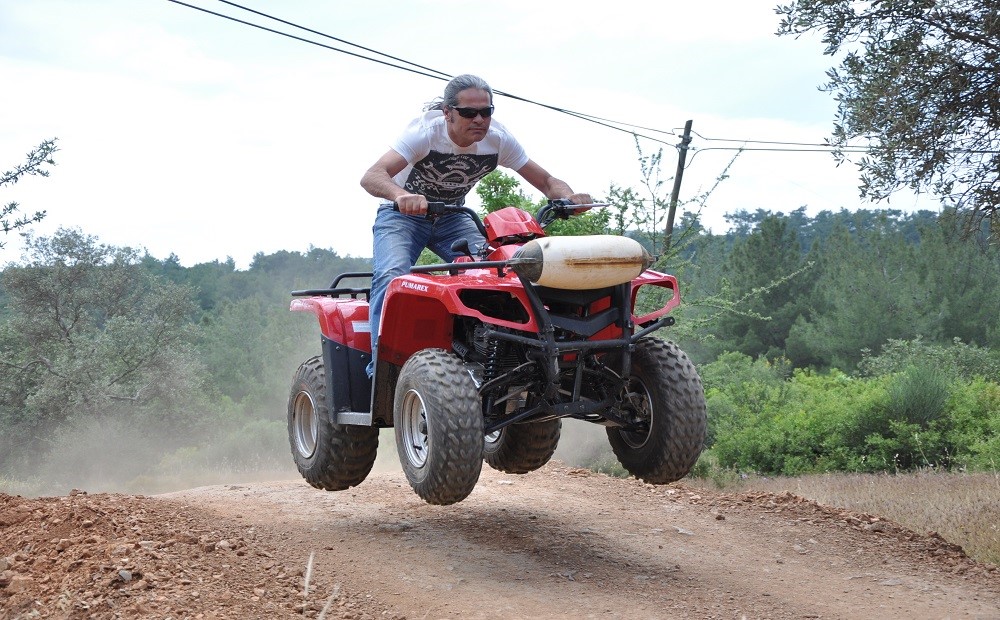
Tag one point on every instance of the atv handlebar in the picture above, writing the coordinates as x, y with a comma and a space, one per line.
559, 208
437, 209
562, 209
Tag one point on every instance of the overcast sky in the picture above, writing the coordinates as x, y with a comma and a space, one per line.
180, 132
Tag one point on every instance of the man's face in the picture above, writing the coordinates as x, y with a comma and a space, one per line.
465, 131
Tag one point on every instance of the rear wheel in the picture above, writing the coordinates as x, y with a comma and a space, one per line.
329, 456
439, 427
665, 393
521, 448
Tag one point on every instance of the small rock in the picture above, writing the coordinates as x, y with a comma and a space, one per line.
720, 517
126, 575
19, 583
224, 545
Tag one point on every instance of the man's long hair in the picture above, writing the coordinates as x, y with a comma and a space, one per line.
455, 86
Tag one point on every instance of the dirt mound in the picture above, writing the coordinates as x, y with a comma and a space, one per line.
117, 556
556, 543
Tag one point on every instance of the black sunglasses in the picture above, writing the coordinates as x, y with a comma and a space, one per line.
472, 112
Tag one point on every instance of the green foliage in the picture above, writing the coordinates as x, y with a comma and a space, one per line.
957, 359
188, 367
593, 222
866, 292
250, 350
769, 273
818, 422
93, 335
34, 165
498, 190
920, 82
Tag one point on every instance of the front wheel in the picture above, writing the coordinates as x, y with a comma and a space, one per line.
439, 427
329, 456
666, 396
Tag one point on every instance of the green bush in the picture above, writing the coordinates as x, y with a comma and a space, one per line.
957, 359
819, 422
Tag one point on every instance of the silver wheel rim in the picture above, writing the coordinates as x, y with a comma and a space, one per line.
642, 403
305, 424
493, 438
414, 428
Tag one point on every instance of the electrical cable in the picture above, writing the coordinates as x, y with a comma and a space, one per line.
316, 43
825, 146
440, 75
605, 122
581, 115
339, 40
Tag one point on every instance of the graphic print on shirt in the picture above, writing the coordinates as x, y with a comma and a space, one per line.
448, 177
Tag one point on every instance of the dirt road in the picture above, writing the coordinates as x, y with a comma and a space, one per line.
557, 543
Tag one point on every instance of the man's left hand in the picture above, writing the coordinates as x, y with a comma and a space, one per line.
581, 199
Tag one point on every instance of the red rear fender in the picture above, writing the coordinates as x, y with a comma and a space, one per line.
344, 321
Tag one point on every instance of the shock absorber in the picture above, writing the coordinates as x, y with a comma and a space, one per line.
492, 364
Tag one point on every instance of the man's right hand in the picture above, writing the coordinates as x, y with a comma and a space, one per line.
412, 204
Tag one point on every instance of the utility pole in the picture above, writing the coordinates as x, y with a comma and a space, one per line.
675, 193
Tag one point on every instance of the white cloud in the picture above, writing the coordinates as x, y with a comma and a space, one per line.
184, 133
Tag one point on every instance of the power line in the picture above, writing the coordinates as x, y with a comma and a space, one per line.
824, 146
604, 122
581, 115
339, 40
425, 71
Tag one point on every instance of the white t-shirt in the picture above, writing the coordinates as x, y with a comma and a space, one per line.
445, 172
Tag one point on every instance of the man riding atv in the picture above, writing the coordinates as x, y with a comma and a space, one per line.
480, 358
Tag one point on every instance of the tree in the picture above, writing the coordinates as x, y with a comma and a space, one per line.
91, 336
34, 165
920, 81
867, 291
766, 269
498, 190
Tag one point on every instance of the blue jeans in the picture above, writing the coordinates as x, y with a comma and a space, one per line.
399, 240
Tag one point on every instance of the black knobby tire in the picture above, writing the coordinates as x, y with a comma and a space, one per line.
329, 456
666, 389
439, 427
522, 448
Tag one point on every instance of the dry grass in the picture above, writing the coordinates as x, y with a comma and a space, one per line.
964, 508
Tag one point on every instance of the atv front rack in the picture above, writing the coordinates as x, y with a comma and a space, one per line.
558, 398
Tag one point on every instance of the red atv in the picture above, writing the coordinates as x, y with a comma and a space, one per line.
480, 359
